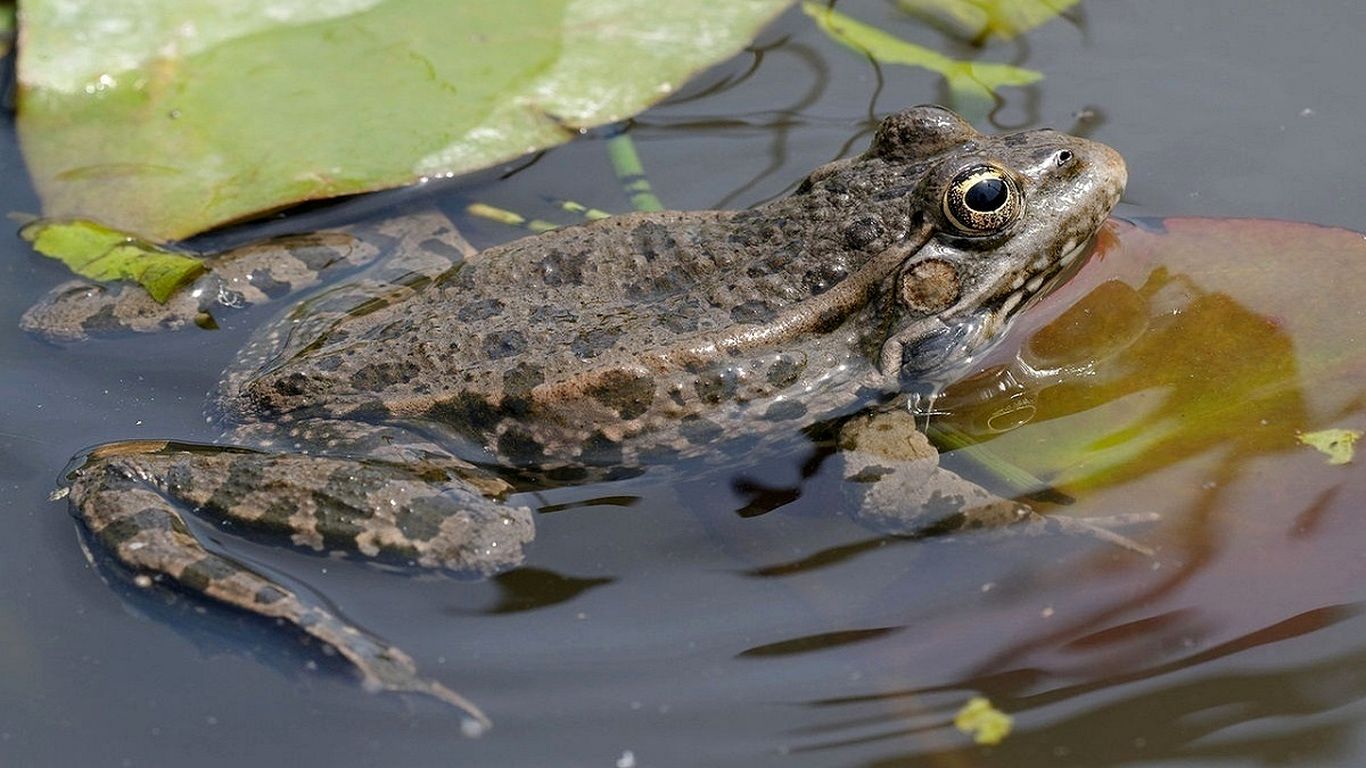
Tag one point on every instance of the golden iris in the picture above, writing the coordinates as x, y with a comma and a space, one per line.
982, 200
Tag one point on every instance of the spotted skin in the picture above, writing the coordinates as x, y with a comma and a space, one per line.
123, 489
589, 352
254, 274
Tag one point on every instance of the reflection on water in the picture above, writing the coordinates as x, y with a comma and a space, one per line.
1155, 723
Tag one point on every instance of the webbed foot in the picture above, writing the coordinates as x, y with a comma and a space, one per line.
893, 471
424, 244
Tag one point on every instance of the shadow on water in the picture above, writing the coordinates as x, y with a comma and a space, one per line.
530, 589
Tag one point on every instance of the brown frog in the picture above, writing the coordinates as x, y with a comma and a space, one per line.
390, 416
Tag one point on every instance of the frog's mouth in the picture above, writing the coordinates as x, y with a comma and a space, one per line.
941, 353
1034, 282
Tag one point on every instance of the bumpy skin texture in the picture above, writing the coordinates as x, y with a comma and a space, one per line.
594, 349
77, 309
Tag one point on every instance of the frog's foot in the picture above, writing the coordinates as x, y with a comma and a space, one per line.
1099, 528
132, 497
893, 471
252, 274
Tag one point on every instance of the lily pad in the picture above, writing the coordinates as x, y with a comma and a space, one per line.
103, 254
972, 84
977, 21
166, 117
1222, 340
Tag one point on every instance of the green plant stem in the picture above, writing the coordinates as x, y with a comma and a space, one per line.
631, 174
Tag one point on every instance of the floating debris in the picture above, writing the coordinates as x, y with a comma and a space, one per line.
1339, 445
986, 724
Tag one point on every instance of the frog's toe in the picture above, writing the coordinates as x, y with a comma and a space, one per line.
79, 309
385, 668
1099, 528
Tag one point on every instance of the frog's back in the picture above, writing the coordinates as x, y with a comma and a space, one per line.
541, 311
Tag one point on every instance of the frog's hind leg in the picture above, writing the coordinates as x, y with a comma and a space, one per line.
133, 498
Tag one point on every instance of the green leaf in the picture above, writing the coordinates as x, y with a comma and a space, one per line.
976, 21
168, 117
104, 254
970, 82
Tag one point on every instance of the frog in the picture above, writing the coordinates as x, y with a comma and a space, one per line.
395, 415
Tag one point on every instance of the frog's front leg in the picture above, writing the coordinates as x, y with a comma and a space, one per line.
425, 244
894, 471
134, 496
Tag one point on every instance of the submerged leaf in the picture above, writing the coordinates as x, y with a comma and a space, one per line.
167, 117
104, 254
986, 724
970, 82
1339, 445
1204, 337
976, 21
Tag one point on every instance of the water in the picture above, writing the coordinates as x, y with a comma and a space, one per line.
663, 623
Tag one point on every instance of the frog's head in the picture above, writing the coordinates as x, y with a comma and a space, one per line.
990, 221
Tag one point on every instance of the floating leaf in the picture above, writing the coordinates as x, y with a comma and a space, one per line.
104, 254
976, 21
1339, 445
970, 82
986, 724
1206, 336
167, 117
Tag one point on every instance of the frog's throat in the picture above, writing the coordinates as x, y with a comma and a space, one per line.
980, 327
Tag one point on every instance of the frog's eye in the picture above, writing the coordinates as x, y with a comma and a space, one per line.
982, 200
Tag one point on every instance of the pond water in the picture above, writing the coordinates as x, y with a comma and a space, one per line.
654, 624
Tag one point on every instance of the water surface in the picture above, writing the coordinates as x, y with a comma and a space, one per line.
652, 617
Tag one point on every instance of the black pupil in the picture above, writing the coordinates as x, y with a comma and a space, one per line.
986, 195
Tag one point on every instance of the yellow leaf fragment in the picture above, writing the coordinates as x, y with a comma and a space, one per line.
986, 724
1339, 445
977, 21
969, 81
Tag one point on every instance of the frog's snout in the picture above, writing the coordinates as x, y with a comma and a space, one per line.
1110, 166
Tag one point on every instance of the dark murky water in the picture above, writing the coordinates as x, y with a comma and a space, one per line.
660, 622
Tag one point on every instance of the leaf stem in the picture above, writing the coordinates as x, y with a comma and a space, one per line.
510, 218
631, 174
